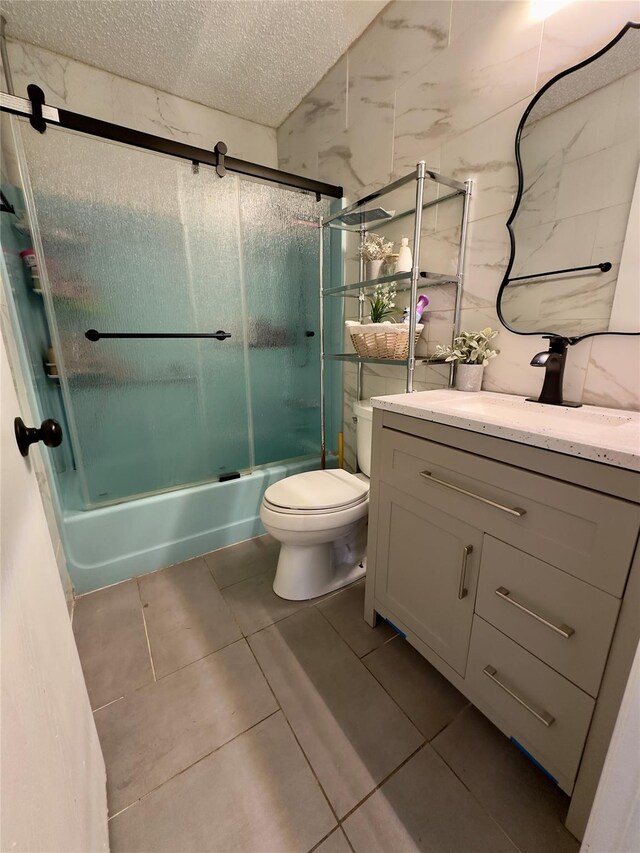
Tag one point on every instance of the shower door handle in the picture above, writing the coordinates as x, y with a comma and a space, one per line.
93, 335
50, 433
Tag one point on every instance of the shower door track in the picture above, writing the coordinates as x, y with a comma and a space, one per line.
39, 114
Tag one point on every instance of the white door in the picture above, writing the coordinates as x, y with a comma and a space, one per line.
52, 774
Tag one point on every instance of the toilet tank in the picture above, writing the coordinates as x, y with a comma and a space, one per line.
363, 414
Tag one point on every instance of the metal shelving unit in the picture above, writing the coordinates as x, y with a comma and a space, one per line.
357, 221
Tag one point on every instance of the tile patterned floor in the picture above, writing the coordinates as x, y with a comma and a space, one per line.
231, 720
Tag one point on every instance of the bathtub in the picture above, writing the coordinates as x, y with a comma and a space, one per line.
115, 543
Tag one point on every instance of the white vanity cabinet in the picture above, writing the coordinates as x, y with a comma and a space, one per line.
507, 567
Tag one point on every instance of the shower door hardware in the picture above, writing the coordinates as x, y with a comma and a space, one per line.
50, 433
221, 149
36, 119
605, 266
5, 207
93, 335
28, 107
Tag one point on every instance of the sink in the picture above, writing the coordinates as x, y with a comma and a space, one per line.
520, 412
605, 435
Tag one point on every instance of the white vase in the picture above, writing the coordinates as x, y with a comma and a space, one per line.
469, 377
373, 269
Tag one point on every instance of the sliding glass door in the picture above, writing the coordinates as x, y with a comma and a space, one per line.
137, 243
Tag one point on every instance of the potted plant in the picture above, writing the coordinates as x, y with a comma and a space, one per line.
472, 352
381, 302
375, 250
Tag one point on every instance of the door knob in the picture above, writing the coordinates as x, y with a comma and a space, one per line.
50, 433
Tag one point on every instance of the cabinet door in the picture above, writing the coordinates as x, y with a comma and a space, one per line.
427, 573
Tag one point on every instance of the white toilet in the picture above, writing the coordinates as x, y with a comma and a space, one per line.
320, 519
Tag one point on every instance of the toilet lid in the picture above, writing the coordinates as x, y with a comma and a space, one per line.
316, 491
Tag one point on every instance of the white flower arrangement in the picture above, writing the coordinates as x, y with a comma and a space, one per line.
469, 348
375, 248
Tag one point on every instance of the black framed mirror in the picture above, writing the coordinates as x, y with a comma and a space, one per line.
574, 265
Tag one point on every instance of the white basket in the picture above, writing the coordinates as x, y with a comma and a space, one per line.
381, 340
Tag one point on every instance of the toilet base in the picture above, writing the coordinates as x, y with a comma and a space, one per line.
319, 576
308, 571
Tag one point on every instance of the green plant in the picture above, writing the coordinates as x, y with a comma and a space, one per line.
382, 302
469, 348
375, 248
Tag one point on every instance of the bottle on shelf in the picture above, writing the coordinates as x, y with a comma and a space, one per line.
31, 264
405, 261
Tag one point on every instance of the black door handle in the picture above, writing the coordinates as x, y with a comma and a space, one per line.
94, 335
50, 433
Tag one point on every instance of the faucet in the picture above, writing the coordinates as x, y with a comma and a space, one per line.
553, 360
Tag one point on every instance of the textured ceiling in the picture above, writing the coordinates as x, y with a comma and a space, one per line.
252, 58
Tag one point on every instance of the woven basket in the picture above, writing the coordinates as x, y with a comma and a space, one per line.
382, 340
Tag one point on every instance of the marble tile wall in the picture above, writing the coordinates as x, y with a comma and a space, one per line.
447, 81
85, 89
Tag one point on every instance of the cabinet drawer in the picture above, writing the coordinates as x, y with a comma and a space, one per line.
587, 534
563, 621
540, 709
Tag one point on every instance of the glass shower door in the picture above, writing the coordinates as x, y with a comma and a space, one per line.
280, 256
135, 242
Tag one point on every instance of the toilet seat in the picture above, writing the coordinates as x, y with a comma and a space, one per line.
316, 493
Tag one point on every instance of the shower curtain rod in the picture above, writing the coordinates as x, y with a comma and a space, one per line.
40, 114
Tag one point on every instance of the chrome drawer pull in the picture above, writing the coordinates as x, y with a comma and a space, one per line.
462, 590
564, 630
543, 716
516, 510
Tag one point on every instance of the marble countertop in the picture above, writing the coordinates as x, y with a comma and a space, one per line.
610, 436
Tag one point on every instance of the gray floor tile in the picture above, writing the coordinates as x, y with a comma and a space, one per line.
424, 807
426, 697
529, 807
335, 843
244, 560
255, 605
351, 731
254, 795
109, 632
345, 611
187, 617
153, 734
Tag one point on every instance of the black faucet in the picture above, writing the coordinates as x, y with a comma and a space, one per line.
553, 360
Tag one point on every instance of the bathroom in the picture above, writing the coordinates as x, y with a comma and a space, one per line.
228, 620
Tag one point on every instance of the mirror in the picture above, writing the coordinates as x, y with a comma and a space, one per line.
574, 269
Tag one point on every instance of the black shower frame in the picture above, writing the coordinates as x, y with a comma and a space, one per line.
33, 110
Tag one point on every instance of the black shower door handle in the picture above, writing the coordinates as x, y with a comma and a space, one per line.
94, 335
50, 434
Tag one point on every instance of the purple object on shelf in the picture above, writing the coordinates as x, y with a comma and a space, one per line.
421, 306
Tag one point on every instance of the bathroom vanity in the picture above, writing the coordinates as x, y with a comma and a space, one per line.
507, 555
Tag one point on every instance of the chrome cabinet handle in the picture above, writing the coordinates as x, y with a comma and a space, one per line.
564, 630
462, 590
516, 510
539, 714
